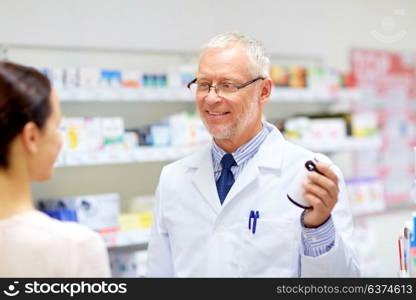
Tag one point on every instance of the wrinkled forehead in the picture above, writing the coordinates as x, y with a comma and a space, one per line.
224, 62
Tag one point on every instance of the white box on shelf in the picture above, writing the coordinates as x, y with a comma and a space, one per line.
128, 264
366, 195
123, 264
89, 78
57, 77
98, 212
112, 131
365, 123
328, 129
160, 135
71, 78
130, 79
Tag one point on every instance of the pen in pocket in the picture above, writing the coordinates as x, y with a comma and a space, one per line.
253, 216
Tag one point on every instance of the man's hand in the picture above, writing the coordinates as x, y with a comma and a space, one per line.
322, 193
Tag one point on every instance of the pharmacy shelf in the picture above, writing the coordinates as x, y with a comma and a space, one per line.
389, 208
181, 94
131, 238
125, 95
139, 155
314, 95
156, 154
348, 144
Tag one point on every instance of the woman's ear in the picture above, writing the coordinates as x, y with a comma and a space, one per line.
30, 137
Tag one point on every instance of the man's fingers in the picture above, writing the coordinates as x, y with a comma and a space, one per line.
319, 192
315, 201
326, 183
326, 170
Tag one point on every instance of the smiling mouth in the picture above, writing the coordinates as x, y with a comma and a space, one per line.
217, 114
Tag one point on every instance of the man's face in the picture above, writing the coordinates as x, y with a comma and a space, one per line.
228, 116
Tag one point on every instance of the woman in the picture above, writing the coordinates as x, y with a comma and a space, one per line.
33, 244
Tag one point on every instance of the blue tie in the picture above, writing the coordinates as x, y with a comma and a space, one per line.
226, 180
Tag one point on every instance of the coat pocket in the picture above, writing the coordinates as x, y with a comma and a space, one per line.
272, 251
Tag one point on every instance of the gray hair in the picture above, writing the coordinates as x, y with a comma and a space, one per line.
255, 50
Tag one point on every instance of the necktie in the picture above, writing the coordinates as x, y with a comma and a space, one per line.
226, 180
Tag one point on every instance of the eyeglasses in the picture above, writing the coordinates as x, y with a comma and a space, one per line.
222, 89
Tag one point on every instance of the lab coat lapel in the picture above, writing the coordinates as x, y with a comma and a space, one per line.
269, 156
247, 176
204, 181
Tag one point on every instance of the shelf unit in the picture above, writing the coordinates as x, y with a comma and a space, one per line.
139, 155
284, 95
135, 172
348, 144
166, 154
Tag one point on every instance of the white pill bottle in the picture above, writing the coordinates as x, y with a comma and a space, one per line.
296, 190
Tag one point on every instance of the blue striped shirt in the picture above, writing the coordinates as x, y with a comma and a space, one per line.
242, 156
316, 241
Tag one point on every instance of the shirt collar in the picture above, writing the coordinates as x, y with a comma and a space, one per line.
244, 152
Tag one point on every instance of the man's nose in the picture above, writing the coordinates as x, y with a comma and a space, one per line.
212, 96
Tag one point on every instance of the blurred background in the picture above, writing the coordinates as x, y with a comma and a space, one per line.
344, 85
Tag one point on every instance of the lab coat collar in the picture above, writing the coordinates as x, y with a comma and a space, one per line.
269, 156
271, 152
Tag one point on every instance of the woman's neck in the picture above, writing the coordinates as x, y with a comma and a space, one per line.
15, 194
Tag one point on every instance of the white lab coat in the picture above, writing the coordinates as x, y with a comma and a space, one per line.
194, 236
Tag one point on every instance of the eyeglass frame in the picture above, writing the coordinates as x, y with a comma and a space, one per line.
243, 85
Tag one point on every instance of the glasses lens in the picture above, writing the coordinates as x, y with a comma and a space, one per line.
200, 88
227, 88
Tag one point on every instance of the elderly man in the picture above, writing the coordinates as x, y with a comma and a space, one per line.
223, 211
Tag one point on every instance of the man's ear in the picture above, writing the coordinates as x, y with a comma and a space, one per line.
30, 137
266, 90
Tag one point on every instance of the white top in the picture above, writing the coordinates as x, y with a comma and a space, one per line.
35, 245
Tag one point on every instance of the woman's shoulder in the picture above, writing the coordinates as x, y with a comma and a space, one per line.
44, 226
71, 249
